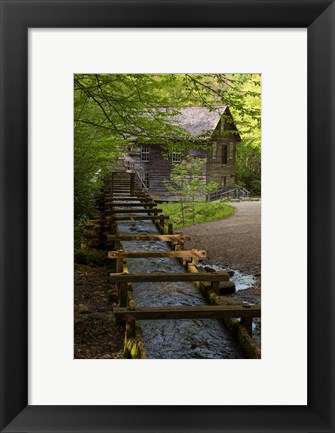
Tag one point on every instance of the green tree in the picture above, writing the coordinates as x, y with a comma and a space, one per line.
187, 182
247, 88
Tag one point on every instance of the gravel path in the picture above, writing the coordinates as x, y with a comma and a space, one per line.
234, 242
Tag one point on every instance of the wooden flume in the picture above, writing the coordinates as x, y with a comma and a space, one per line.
213, 284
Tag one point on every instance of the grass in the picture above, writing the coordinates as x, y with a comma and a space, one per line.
204, 212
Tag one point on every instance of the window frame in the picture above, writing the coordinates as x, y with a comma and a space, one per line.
176, 156
224, 152
145, 153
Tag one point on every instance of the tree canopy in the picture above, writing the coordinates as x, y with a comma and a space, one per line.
111, 111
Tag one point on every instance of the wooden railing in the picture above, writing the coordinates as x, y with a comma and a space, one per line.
129, 165
222, 193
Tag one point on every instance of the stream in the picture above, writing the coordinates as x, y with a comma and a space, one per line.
173, 339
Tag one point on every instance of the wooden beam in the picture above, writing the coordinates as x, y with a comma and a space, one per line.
122, 195
135, 210
130, 204
128, 198
163, 238
199, 312
93, 223
168, 276
111, 197
137, 217
247, 323
199, 254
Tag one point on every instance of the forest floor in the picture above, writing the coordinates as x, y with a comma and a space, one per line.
96, 334
233, 243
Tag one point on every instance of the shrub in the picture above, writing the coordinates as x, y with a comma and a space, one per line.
255, 187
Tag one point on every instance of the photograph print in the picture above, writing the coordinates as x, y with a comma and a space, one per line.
167, 216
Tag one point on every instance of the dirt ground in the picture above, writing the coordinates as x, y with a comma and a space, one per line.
96, 335
234, 242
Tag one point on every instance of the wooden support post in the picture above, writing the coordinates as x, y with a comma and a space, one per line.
119, 264
130, 329
192, 267
247, 323
170, 229
131, 301
121, 286
162, 221
216, 287
129, 340
123, 295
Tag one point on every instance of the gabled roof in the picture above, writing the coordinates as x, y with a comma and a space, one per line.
198, 120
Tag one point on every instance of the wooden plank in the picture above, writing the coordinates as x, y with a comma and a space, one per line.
163, 238
122, 194
146, 205
129, 198
93, 223
110, 198
200, 254
199, 312
135, 210
168, 276
137, 217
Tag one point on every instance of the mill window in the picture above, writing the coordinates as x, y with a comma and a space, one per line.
176, 155
224, 154
145, 153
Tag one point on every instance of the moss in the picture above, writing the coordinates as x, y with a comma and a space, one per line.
128, 344
247, 343
134, 351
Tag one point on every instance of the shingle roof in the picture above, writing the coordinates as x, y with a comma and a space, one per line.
198, 120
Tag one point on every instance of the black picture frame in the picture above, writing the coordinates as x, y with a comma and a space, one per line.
16, 17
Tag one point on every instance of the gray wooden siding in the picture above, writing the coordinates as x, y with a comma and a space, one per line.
159, 168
